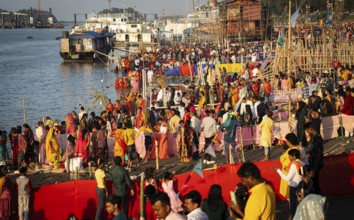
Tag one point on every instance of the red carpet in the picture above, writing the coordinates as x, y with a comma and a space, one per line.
58, 201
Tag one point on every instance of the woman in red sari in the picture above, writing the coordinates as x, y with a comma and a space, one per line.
140, 118
83, 140
186, 116
163, 150
120, 147
118, 83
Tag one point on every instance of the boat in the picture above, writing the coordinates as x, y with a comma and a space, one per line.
130, 32
86, 46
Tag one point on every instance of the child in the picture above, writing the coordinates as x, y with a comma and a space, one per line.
293, 177
24, 190
305, 186
113, 205
167, 185
101, 189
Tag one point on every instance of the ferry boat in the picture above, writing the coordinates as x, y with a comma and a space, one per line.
86, 46
130, 32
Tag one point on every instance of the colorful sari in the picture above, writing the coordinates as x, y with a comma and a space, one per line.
81, 149
163, 150
120, 147
70, 125
234, 97
140, 118
42, 149
5, 198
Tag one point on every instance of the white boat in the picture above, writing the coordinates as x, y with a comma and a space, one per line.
129, 32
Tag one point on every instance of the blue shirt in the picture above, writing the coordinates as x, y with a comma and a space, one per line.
120, 216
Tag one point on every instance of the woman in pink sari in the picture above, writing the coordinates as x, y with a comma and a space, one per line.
135, 81
167, 185
5, 197
70, 128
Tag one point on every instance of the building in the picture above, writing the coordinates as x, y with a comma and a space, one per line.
245, 19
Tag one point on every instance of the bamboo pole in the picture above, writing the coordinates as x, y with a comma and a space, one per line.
157, 155
243, 155
24, 110
77, 173
289, 71
190, 70
67, 162
90, 170
142, 179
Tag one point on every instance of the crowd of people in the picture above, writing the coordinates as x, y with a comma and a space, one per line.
184, 121
253, 198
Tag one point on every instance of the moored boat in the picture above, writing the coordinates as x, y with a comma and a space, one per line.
86, 46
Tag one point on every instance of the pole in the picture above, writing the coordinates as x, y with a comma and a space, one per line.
143, 72
157, 155
90, 170
77, 172
288, 65
142, 179
190, 70
24, 110
67, 162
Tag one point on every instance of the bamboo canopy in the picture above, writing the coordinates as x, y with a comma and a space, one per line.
310, 53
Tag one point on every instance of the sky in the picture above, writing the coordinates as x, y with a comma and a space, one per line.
65, 9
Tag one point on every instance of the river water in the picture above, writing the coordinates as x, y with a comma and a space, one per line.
33, 69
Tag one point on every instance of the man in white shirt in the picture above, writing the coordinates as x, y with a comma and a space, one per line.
168, 95
181, 109
150, 74
255, 72
293, 177
137, 62
39, 131
162, 207
243, 105
195, 123
186, 99
209, 128
226, 115
159, 98
256, 102
82, 112
192, 203
178, 97
246, 75
39, 135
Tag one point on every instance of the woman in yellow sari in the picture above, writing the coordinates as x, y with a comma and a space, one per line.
234, 96
51, 146
120, 147
291, 142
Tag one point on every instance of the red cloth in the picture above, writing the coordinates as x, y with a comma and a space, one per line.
149, 211
186, 69
79, 197
348, 105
